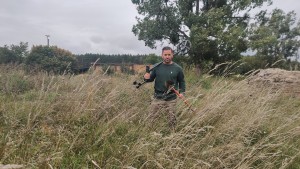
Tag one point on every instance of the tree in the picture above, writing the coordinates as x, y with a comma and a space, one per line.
275, 36
51, 59
152, 59
13, 53
6, 55
217, 29
20, 51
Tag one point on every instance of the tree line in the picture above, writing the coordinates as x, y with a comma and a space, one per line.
85, 60
53, 59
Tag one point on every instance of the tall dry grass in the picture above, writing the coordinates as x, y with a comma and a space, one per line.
98, 121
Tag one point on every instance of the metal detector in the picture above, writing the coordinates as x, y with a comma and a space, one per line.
148, 70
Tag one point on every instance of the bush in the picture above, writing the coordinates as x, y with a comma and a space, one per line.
14, 83
251, 63
51, 59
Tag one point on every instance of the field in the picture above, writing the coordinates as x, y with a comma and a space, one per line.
98, 121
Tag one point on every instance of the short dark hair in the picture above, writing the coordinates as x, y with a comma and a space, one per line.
167, 48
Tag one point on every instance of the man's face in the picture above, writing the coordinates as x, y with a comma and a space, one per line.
167, 56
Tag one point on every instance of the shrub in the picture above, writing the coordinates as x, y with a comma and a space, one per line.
14, 83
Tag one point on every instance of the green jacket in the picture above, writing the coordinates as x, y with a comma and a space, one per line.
163, 73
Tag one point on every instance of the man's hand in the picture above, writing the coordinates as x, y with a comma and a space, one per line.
147, 76
181, 95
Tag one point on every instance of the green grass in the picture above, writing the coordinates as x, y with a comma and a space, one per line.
94, 120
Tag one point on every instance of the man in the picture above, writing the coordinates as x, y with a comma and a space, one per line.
166, 74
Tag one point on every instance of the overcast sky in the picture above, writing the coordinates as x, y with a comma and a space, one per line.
81, 26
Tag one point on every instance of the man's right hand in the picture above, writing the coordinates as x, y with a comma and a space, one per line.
147, 76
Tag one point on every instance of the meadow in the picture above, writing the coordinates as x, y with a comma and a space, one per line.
94, 120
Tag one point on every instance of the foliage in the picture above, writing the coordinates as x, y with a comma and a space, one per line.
251, 63
152, 59
51, 59
14, 84
85, 60
220, 31
276, 36
13, 53
6, 55
217, 29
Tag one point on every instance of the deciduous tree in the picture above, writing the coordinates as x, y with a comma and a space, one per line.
51, 59
275, 35
13, 53
217, 29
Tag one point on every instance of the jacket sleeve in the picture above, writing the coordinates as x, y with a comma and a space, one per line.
181, 82
152, 76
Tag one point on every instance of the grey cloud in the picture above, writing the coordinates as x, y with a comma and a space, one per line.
97, 39
80, 26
